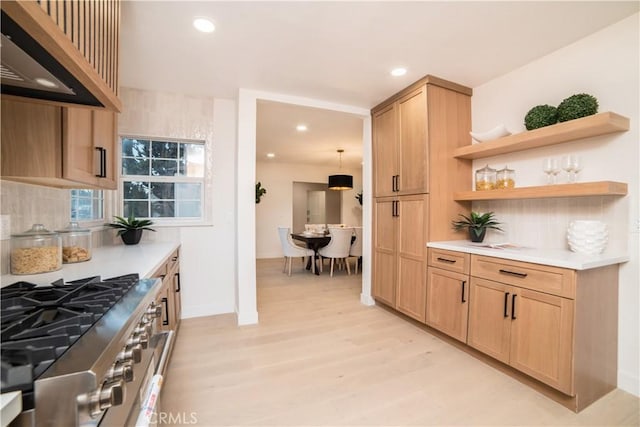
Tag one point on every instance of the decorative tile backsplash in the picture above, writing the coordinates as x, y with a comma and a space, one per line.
27, 204
543, 223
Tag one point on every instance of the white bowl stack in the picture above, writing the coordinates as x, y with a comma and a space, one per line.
587, 236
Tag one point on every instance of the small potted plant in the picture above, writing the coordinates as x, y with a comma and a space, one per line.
477, 225
130, 229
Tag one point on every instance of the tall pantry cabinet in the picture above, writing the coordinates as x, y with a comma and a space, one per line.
415, 174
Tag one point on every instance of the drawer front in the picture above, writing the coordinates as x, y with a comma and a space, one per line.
457, 262
173, 261
543, 278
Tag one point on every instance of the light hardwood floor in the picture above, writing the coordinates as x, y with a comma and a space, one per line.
320, 358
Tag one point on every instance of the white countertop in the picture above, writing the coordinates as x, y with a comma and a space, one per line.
554, 257
107, 261
10, 406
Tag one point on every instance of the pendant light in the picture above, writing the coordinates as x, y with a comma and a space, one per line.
340, 182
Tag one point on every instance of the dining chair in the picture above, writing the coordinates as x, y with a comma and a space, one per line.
338, 247
291, 250
356, 246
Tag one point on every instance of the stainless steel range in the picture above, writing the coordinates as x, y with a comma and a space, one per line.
83, 353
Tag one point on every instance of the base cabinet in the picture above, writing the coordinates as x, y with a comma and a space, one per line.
169, 297
448, 293
400, 253
447, 302
531, 331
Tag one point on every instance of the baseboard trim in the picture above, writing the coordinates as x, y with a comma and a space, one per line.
629, 383
247, 318
367, 300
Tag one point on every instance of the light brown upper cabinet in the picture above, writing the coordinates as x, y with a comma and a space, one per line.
415, 133
80, 37
400, 146
58, 147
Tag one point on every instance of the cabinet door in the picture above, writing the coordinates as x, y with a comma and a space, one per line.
79, 156
542, 338
385, 151
31, 140
411, 294
413, 148
105, 143
162, 300
448, 302
177, 297
384, 251
489, 318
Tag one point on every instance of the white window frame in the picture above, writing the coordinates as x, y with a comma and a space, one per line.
164, 221
91, 222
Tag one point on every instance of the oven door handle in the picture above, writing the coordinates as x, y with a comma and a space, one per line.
164, 357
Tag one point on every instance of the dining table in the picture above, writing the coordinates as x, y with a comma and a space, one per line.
313, 241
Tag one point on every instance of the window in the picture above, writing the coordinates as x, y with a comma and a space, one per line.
87, 205
163, 178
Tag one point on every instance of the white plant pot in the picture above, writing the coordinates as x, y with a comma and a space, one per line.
587, 236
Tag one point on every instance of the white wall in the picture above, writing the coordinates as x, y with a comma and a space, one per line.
606, 65
208, 252
276, 207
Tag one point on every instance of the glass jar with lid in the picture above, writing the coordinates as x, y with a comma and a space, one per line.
37, 250
76, 243
505, 178
485, 179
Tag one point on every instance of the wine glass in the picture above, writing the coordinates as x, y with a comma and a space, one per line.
577, 167
550, 167
572, 165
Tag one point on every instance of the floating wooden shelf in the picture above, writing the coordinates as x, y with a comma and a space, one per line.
598, 124
582, 189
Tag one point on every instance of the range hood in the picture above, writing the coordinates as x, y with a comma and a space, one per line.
30, 71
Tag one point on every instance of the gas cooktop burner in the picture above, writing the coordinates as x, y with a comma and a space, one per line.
39, 323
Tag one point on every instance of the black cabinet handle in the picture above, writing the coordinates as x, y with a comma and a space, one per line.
178, 276
397, 188
165, 301
513, 307
464, 282
394, 208
450, 261
162, 276
393, 183
174, 259
506, 299
102, 162
513, 273
103, 165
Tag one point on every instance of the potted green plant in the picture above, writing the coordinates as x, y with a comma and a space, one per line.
477, 224
130, 229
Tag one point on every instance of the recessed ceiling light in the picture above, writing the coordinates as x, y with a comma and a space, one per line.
301, 128
397, 72
45, 82
271, 155
204, 25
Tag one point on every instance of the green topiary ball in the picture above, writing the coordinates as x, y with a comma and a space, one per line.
541, 116
576, 106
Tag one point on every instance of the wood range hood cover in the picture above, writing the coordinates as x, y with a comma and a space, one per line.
36, 51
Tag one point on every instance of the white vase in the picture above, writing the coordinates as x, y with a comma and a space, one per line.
587, 237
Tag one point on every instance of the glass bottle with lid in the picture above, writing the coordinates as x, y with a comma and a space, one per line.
485, 179
76, 243
505, 178
37, 250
